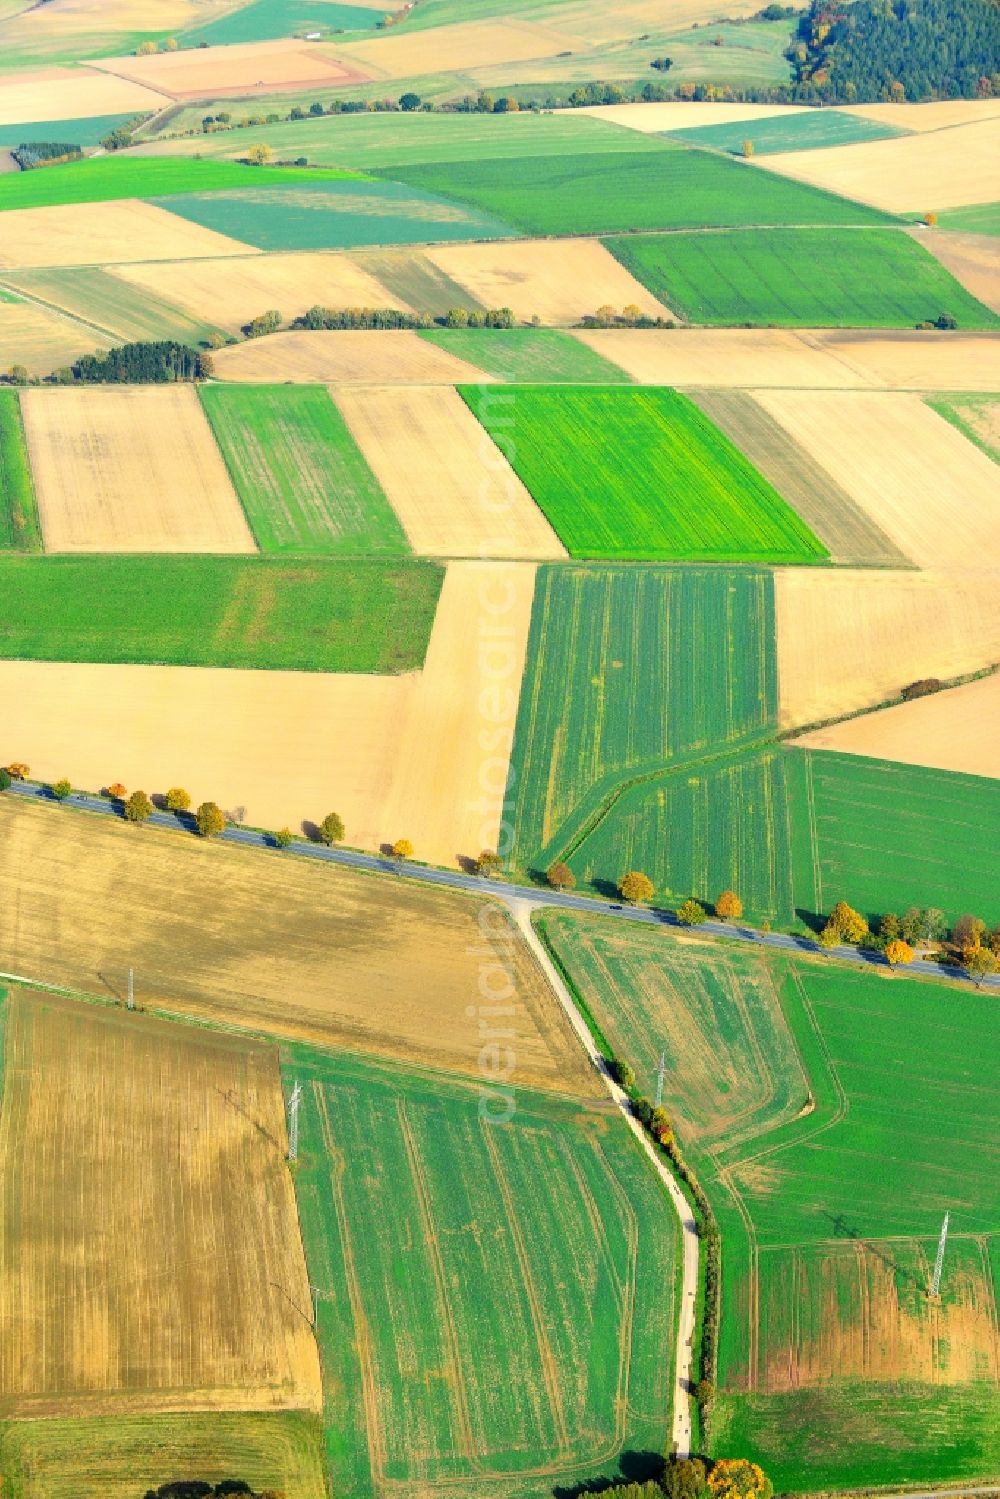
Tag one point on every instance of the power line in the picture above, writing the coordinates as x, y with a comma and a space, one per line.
660, 1074
293, 1122
939, 1262
131, 990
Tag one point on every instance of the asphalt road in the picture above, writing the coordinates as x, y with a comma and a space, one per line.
456, 879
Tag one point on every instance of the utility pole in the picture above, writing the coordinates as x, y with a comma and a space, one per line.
939, 1262
660, 1074
293, 1122
131, 990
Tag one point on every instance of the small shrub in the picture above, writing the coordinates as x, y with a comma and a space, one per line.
283, 837
402, 849
692, 913
61, 789
560, 876
177, 800
489, 863
6, 780
331, 829
116, 791
138, 807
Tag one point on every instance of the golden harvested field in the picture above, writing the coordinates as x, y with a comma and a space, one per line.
235, 737
444, 49
914, 360
370, 962
423, 756
94, 233
42, 340
938, 115
723, 357
452, 488
973, 259
956, 730
392, 357
556, 280
230, 292
447, 795
651, 119
907, 174
150, 1256
213, 71
850, 639
130, 470
57, 25
932, 492
70, 94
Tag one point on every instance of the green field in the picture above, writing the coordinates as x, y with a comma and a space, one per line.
86, 132
265, 20
598, 194
19, 527
370, 141
120, 1457
984, 218
101, 179
508, 1324
219, 611
632, 670
976, 416
329, 215
887, 836
303, 481
125, 311
810, 278
792, 1084
786, 132
545, 355
641, 474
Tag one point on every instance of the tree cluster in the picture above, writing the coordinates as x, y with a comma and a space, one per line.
263, 323
393, 317
31, 154
899, 49
121, 136
631, 316
143, 364
197, 1488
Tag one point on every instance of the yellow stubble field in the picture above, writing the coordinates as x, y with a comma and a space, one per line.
150, 1256
956, 730
932, 492
130, 469
70, 94
453, 490
213, 71
390, 357
558, 281
42, 340
849, 639
98, 233
273, 942
230, 292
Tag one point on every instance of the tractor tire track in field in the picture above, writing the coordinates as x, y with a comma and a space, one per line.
682, 1381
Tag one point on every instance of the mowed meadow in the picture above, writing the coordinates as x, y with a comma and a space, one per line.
791, 1082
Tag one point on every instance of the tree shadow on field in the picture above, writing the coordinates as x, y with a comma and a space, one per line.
229, 1097
811, 920
844, 1230
634, 1467
310, 830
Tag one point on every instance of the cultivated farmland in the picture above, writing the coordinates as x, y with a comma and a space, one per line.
562, 1365
103, 1457
94, 295
88, 234
405, 995
126, 1277
828, 1073
630, 670
331, 215
216, 71
304, 484
557, 281
103, 179
82, 132
791, 130
130, 471
848, 533
231, 292
63, 93
384, 357
956, 730
849, 640
908, 470
641, 474
390, 752
597, 194
933, 169
807, 278
544, 356
884, 835
971, 259
976, 416
266, 20
41, 340
328, 615
19, 528
454, 492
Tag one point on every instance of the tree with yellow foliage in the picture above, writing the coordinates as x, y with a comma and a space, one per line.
897, 951
738, 1478
402, 849
635, 887
729, 907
